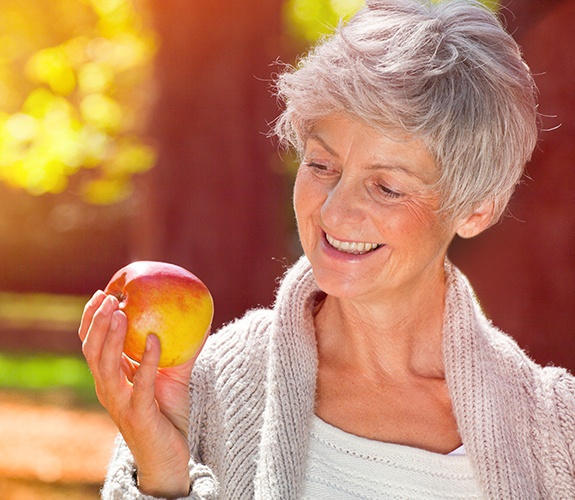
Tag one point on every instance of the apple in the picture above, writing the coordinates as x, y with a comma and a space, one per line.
165, 300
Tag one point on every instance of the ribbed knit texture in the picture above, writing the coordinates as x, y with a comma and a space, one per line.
253, 391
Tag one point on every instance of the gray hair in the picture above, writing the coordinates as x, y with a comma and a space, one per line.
447, 73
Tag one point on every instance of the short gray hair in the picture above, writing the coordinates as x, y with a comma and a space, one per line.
447, 73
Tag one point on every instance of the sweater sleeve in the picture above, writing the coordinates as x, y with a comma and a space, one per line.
554, 432
121, 484
565, 403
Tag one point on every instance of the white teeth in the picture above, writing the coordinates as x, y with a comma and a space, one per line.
353, 247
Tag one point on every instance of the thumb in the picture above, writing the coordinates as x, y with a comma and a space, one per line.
145, 377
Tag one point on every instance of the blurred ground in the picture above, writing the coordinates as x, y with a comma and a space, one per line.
52, 451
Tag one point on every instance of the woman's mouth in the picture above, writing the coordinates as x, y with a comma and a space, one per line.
353, 247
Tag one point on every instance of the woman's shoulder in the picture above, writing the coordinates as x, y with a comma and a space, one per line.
515, 362
244, 338
551, 389
553, 418
557, 390
249, 329
233, 356
251, 333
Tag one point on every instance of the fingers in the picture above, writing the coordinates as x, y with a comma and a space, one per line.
89, 310
96, 330
128, 390
108, 372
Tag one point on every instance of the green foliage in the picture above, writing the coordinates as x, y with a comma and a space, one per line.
312, 19
44, 373
47, 373
73, 95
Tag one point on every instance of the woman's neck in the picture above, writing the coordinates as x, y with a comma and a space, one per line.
394, 338
380, 372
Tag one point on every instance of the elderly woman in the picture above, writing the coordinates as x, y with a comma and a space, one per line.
376, 374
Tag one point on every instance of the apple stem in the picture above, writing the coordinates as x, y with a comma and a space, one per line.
120, 296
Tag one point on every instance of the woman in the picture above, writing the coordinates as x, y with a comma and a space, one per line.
375, 375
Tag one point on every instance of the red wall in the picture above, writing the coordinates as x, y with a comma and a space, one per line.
523, 270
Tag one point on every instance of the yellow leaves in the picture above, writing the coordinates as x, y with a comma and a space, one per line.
70, 103
345, 8
94, 77
115, 15
40, 102
491, 4
40, 150
130, 158
51, 66
21, 127
109, 7
101, 111
105, 191
311, 19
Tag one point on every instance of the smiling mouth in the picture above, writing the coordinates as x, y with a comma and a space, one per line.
353, 247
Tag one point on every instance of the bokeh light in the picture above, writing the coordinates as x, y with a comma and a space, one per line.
313, 19
73, 96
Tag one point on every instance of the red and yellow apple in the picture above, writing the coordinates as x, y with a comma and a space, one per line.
165, 300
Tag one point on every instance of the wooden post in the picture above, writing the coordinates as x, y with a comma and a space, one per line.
216, 201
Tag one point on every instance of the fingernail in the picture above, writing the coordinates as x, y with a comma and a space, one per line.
148, 342
114, 322
95, 297
107, 304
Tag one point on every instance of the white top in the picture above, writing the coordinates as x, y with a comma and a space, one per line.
343, 466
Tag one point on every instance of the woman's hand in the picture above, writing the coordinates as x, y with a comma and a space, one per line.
150, 406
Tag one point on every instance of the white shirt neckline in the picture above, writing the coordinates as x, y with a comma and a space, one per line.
344, 466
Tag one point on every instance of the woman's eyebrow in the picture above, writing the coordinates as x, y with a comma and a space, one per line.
426, 178
314, 136
395, 168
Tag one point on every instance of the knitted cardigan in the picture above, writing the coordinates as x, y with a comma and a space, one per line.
253, 390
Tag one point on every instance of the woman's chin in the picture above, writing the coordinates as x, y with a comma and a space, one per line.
341, 284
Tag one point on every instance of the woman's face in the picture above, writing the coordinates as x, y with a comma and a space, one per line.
365, 210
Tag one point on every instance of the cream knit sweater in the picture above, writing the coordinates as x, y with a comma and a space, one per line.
253, 388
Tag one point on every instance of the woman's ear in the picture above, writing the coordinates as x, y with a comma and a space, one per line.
479, 220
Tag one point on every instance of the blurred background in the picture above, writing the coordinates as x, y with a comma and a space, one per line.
133, 129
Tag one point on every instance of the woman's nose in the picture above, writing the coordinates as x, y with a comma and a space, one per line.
343, 205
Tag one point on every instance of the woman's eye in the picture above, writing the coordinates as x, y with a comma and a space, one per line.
390, 193
318, 168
